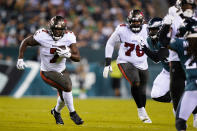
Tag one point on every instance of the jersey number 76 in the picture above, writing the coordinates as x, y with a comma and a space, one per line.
131, 47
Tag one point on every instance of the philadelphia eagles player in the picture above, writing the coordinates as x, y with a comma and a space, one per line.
160, 90
187, 52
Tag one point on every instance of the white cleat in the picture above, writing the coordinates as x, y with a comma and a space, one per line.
143, 115
195, 121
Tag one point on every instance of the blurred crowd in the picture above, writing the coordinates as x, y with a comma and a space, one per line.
91, 20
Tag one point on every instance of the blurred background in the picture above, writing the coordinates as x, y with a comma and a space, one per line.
92, 21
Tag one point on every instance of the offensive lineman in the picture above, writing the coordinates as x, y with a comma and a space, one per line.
131, 60
56, 46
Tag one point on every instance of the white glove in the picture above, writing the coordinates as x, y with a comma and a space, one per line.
64, 52
141, 42
21, 64
168, 19
106, 71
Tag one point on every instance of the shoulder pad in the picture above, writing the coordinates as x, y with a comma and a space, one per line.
42, 30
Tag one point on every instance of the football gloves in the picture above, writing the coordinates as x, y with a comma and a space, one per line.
106, 71
64, 52
141, 42
21, 64
168, 19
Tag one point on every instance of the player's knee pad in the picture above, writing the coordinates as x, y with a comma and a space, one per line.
180, 124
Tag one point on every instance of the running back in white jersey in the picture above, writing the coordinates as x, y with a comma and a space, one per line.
129, 48
50, 61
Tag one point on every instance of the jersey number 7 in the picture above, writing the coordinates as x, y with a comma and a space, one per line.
55, 57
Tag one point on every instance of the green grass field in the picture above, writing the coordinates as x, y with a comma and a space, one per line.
99, 114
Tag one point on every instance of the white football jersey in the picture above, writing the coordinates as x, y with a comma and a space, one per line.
177, 22
173, 11
50, 61
129, 50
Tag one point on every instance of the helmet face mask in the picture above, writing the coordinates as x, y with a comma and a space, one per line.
135, 20
57, 26
154, 26
152, 32
189, 28
188, 7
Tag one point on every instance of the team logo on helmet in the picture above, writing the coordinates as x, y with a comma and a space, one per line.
154, 26
135, 20
57, 26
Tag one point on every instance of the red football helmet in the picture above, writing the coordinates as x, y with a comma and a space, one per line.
57, 26
135, 20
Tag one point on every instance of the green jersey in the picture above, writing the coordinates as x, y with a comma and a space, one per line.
156, 47
180, 45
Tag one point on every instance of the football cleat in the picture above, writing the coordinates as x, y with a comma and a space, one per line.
144, 116
195, 121
75, 117
57, 117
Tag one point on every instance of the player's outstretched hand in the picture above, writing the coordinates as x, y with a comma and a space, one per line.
141, 42
168, 19
106, 71
21, 64
64, 52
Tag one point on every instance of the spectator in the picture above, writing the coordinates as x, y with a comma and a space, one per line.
88, 16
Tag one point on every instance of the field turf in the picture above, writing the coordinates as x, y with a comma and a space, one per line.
99, 114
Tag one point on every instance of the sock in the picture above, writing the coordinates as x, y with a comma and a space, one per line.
68, 99
141, 109
60, 105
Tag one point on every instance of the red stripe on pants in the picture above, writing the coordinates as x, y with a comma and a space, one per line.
124, 73
50, 82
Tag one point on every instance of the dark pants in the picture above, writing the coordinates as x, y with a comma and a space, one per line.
138, 81
177, 82
61, 81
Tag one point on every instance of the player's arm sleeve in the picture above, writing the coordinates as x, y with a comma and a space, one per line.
157, 56
39, 35
72, 39
153, 55
109, 48
163, 36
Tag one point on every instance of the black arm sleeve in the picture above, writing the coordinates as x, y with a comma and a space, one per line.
157, 56
153, 55
163, 38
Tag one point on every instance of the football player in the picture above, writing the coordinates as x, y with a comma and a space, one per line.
187, 52
180, 46
56, 46
177, 17
160, 90
131, 60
